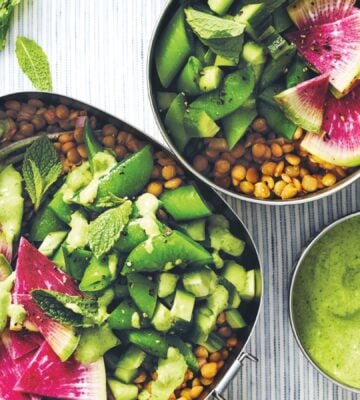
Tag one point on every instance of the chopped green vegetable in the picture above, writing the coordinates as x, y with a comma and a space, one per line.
41, 169
34, 63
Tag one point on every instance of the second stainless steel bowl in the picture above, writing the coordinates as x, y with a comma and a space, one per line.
154, 85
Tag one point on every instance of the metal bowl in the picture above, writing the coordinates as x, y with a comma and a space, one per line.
291, 299
154, 84
14, 152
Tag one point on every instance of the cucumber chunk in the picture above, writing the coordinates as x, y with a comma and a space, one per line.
235, 274
201, 282
173, 48
162, 318
188, 81
281, 19
210, 78
185, 203
183, 306
222, 61
122, 391
167, 284
235, 319
164, 99
45, 221
220, 7
213, 343
52, 242
195, 229
197, 123
174, 122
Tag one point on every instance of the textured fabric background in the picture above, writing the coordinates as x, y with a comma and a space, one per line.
98, 51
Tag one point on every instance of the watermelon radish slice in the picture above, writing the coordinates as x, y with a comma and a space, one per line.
333, 48
305, 13
63, 339
19, 344
35, 271
340, 144
304, 103
9, 376
47, 376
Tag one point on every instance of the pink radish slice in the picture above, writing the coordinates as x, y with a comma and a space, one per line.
305, 13
340, 144
18, 344
333, 48
47, 376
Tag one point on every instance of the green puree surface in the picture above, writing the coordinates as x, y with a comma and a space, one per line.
326, 303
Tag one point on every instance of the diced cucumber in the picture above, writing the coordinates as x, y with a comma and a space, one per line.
183, 306
62, 210
204, 322
94, 343
132, 358
201, 282
276, 119
235, 319
197, 123
249, 290
125, 316
254, 53
52, 242
5, 268
276, 68
174, 122
164, 99
126, 375
97, 276
236, 124
185, 203
144, 292
45, 221
276, 45
234, 298
281, 19
59, 258
256, 17
162, 318
189, 78
258, 284
167, 284
195, 229
210, 78
218, 301
121, 391
220, 7
235, 274
236, 88
186, 350
76, 262
299, 72
173, 48
221, 61
213, 343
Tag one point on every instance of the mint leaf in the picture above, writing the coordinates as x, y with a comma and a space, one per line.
34, 63
6, 11
106, 229
223, 36
71, 310
40, 168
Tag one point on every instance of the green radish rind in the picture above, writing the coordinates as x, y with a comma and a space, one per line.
304, 104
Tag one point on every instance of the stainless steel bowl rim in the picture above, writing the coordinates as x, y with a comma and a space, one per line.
299, 200
54, 97
291, 297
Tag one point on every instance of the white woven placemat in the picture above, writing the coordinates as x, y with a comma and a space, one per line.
98, 51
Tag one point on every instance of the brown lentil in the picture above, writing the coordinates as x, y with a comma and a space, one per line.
155, 188
309, 183
209, 370
173, 183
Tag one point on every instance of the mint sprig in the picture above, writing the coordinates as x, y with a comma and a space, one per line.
106, 229
41, 168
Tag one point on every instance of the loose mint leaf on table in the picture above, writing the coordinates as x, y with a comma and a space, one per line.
65, 309
34, 63
6, 11
223, 36
41, 168
106, 229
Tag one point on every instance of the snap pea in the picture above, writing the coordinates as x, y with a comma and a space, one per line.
235, 90
165, 252
62, 210
185, 203
143, 291
188, 81
127, 178
148, 340
77, 262
97, 276
132, 236
125, 316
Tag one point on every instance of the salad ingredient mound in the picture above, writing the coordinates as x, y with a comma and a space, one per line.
116, 294
250, 82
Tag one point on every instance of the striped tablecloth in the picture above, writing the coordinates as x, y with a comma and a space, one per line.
98, 51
